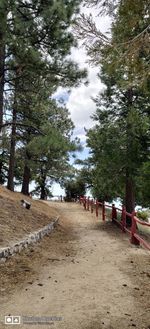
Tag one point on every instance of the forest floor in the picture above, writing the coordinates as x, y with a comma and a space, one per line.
85, 272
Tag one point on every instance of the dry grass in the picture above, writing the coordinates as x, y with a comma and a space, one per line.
16, 221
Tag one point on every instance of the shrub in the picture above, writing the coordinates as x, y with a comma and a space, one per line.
142, 215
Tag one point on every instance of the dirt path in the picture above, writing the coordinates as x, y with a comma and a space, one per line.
85, 272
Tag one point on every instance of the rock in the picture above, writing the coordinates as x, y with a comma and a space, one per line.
2, 253
2, 260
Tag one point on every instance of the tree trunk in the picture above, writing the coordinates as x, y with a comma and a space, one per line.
26, 180
3, 27
43, 195
129, 198
2, 64
2, 177
129, 195
10, 184
2, 72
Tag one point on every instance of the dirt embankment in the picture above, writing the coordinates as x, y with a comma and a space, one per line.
16, 221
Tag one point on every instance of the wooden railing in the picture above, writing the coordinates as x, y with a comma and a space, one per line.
135, 237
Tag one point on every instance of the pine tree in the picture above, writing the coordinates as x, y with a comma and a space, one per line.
37, 40
47, 154
119, 142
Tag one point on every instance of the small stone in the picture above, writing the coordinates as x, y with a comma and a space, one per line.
2, 260
40, 284
2, 254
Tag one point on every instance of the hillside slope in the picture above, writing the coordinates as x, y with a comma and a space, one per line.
16, 221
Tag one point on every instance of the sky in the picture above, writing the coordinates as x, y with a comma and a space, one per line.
79, 100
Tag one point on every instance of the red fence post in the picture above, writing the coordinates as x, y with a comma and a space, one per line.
88, 203
134, 240
114, 212
97, 208
84, 203
92, 206
103, 211
123, 218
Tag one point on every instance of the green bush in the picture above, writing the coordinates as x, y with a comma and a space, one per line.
142, 215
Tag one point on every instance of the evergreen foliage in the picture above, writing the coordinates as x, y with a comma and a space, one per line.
119, 141
74, 189
35, 45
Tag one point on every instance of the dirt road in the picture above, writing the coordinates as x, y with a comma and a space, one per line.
85, 272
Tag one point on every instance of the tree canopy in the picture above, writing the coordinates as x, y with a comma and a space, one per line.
119, 142
35, 47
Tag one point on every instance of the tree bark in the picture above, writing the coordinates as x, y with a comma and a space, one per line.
129, 198
26, 180
3, 27
2, 72
43, 195
130, 194
2, 177
10, 184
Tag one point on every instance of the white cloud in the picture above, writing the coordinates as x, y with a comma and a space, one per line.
102, 22
79, 103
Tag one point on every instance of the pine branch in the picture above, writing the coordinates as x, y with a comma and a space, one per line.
20, 124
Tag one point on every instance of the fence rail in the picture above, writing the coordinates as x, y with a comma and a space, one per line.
135, 238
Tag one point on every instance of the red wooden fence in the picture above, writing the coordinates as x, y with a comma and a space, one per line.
135, 238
